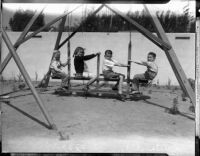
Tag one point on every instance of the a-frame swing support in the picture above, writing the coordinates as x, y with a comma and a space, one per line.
12, 49
173, 59
28, 81
160, 41
164, 44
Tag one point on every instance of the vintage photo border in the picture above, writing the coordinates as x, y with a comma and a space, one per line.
197, 63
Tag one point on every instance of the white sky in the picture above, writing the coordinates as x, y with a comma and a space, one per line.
173, 5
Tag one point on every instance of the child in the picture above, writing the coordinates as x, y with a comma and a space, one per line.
108, 64
56, 70
80, 65
150, 74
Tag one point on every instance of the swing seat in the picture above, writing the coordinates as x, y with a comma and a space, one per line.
109, 79
80, 77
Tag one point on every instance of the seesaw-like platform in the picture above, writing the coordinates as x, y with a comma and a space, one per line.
106, 93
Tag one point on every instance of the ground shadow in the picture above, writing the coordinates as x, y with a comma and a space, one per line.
101, 95
166, 108
27, 115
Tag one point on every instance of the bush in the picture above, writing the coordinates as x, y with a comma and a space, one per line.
21, 18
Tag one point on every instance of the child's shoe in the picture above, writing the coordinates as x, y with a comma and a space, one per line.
86, 88
115, 88
121, 97
134, 92
65, 87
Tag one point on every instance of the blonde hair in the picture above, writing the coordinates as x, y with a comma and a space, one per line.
56, 53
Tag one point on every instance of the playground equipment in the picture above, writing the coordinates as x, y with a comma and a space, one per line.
161, 41
197, 82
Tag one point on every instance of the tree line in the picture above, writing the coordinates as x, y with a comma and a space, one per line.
170, 21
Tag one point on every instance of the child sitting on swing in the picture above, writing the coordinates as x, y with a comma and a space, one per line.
56, 69
150, 73
81, 67
108, 64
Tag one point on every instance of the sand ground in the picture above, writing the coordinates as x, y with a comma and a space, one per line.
99, 124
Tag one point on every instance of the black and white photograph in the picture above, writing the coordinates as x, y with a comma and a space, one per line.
99, 77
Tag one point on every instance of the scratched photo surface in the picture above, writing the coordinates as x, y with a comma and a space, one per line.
87, 112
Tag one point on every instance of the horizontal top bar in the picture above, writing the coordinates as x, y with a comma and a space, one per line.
90, 1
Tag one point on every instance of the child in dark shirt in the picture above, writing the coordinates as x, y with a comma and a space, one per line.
80, 65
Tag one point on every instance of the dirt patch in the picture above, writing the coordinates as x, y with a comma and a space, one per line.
99, 124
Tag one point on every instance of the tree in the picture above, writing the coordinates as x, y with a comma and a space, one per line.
21, 18
170, 21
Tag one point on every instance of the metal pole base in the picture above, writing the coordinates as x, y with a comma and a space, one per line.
62, 138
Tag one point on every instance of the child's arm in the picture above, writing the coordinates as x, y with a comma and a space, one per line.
66, 63
144, 63
88, 57
54, 66
120, 64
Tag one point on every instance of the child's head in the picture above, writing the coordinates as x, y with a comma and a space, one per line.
108, 54
79, 51
151, 56
57, 54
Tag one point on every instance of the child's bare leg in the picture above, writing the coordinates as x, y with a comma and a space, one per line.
135, 85
64, 78
91, 81
121, 79
135, 81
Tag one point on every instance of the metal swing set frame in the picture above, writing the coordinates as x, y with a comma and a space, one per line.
160, 40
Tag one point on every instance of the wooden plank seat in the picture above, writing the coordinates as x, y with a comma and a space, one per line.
108, 79
75, 77
88, 78
79, 78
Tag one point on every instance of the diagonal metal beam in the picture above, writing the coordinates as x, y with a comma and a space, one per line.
31, 35
61, 29
21, 37
28, 81
173, 60
141, 29
77, 29
28, 26
46, 26
25, 75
